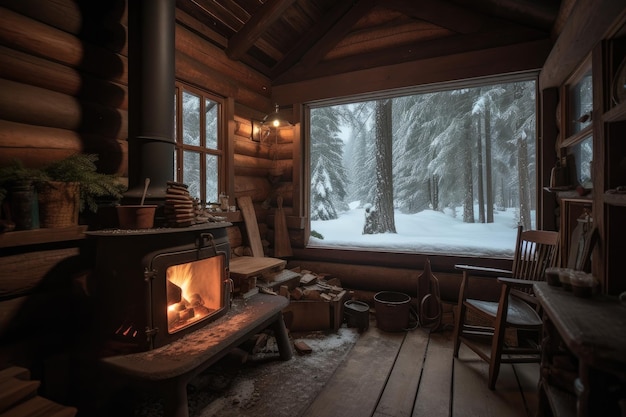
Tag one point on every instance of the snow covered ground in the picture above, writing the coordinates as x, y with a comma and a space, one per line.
428, 232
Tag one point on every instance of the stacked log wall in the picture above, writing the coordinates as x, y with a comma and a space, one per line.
63, 90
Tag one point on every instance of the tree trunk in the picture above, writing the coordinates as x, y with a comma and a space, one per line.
384, 168
488, 173
468, 200
524, 191
479, 179
434, 191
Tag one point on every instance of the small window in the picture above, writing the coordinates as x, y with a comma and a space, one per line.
577, 145
580, 103
199, 154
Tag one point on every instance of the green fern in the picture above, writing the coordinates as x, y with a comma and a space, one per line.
82, 168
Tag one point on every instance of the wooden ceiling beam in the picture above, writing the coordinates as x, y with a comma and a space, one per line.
254, 28
536, 13
471, 64
447, 15
417, 51
309, 39
337, 32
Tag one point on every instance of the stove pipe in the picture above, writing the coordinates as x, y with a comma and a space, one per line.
151, 76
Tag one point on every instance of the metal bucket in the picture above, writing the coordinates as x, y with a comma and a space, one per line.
357, 314
392, 311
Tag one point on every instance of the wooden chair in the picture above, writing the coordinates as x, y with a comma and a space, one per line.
535, 250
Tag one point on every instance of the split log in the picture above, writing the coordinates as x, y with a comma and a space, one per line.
282, 151
38, 106
39, 72
243, 127
17, 141
22, 273
188, 68
235, 238
286, 134
22, 33
257, 188
302, 347
248, 147
252, 162
293, 222
70, 17
367, 277
212, 57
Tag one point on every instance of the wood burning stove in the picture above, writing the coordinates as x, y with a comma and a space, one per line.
153, 286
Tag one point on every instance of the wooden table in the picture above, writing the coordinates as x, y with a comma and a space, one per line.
593, 332
168, 369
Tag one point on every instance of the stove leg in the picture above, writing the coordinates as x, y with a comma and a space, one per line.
282, 338
175, 400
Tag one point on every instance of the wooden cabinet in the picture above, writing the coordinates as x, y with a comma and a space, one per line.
583, 366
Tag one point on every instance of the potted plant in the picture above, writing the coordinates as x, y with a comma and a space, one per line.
74, 186
17, 185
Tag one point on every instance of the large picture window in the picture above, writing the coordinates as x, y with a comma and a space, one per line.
449, 171
198, 155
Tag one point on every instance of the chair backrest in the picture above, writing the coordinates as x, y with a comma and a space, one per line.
535, 250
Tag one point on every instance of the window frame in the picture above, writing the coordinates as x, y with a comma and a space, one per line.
180, 147
346, 251
570, 140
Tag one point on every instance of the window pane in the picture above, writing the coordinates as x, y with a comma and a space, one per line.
583, 155
444, 172
191, 172
211, 179
211, 123
581, 104
191, 119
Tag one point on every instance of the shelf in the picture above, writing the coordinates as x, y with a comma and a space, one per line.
615, 199
38, 236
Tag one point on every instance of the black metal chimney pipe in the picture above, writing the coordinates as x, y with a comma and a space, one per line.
151, 75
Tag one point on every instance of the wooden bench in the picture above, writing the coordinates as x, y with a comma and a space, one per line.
169, 369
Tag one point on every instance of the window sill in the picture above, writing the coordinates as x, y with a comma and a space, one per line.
39, 236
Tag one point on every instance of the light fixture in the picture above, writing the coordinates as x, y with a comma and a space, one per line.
275, 120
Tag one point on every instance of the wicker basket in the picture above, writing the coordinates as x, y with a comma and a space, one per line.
58, 204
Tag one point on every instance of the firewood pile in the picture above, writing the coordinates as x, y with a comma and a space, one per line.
182, 210
316, 287
316, 302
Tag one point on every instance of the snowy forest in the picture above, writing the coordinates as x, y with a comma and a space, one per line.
197, 157
468, 152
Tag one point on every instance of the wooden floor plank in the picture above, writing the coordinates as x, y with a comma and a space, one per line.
472, 397
356, 386
399, 394
528, 376
434, 394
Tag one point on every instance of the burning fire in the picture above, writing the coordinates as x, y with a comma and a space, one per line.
191, 293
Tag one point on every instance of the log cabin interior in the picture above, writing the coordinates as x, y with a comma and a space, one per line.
99, 77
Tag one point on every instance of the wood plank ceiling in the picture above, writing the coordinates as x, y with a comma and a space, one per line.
294, 40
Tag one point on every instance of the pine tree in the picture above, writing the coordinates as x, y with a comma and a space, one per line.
328, 177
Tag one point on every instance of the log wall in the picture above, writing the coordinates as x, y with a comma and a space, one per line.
63, 90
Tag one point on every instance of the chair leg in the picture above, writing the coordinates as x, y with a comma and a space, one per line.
459, 320
497, 343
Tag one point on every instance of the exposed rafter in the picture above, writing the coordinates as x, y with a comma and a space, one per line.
337, 32
288, 40
258, 23
455, 18
312, 36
